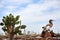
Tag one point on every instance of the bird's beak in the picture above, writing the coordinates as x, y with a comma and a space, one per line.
52, 20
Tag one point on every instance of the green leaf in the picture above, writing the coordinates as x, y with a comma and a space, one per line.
20, 32
4, 29
17, 18
3, 16
1, 24
17, 22
23, 26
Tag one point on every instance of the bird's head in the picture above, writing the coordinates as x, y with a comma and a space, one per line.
51, 20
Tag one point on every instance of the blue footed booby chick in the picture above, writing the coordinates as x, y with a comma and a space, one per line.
49, 25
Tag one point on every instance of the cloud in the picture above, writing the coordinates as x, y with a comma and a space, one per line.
10, 7
1, 5
33, 12
14, 2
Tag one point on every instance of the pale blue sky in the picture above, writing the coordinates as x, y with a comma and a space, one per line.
34, 13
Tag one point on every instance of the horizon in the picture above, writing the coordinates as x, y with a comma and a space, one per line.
33, 13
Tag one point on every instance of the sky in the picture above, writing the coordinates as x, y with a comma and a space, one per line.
33, 13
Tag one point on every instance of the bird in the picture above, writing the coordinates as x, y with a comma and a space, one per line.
48, 26
50, 23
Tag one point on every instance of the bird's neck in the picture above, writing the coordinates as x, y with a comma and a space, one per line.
50, 22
